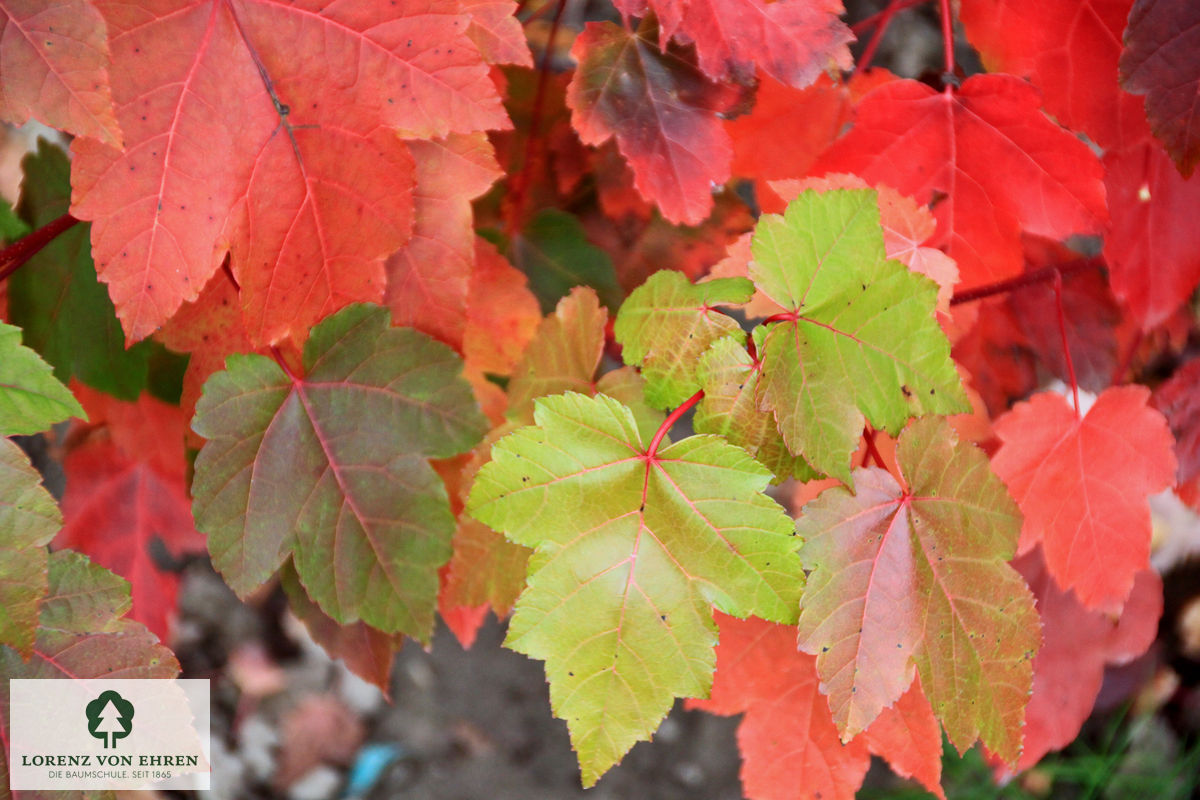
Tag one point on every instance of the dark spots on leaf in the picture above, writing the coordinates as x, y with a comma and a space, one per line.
641, 508
410, 42
905, 390
390, 101
931, 391
825, 649
160, 205
662, 617
853, 690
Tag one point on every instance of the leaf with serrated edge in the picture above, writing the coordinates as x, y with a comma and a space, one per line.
31, 399
841, 360
632, 553
29, 519
729, 377
668, 322
81, 634
333, 466
903, 581
1083, 483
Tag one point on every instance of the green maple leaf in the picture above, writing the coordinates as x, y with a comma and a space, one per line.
730, 378
31, 400
668, 322
631, 554
918, 579
864, 340
333, 468
29, 519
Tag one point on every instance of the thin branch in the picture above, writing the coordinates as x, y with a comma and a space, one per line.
521, 180
877, 18
1021, 281
948, 41
883, 19
1066, 343
17, 253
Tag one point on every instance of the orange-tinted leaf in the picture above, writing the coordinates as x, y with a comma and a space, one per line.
1082, 485
126, 504
786, 132
661, 111
914, 580
1162, 61
54, 68
429, 278
1003, 166
790, 747
907, 736
502, 313
311, 187
1077, 644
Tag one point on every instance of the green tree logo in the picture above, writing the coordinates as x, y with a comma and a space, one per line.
110, 717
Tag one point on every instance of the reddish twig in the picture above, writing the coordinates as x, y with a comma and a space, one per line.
521, 180
672, 418
893, 8
948, 43
1066, 343
1021, 281
17, 253
884, 19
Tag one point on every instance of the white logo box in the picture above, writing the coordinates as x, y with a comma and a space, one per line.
150, 734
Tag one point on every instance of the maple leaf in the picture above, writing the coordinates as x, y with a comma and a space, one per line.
31, 400
497, 32
428, 279
790, 747
127, 498
502, 314
366, 651
1078, 644
563, 355
313, 187
54, 68
730, 377
82, 634
63, 311
332, 468
1160, 61
835, 358
1003, 166
1068, 49
1152, 248
554, 253
914, 579
662, 112
1179, 401
1060, 468
668, 323
793, 41
633, 546
29, 518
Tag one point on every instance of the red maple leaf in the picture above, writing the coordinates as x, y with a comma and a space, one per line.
126, 503
1001, 164
268, 129
793, 41
1077, 644
1082, 484
661, 110
789, 744
54, 67
1162, 61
